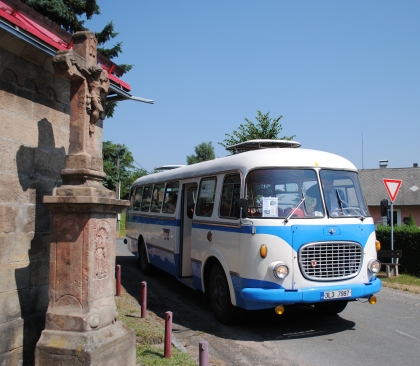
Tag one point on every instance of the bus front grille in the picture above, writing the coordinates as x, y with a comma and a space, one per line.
329, 261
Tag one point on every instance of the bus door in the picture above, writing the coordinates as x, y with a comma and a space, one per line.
189, 195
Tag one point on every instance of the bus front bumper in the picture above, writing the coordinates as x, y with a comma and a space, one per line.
254, 298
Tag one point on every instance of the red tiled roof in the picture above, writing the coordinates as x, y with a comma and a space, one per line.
35, 29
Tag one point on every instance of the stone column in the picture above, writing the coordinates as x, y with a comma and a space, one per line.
81, 322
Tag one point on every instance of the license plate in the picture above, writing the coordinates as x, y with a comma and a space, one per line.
329, 295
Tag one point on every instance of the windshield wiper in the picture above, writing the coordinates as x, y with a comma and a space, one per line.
341, 202
286, 219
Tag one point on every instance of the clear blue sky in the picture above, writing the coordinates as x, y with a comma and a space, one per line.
335, 71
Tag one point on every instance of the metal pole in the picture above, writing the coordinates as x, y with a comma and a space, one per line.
118, 279
392, 225
203, 350
143, 300
168, 334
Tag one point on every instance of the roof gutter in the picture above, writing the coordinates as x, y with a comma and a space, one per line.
117, 86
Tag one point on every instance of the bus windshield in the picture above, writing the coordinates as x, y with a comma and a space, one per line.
280, 193
342, 193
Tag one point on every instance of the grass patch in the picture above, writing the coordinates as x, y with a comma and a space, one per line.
403, 279
149, 355
149, 335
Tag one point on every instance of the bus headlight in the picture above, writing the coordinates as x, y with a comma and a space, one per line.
374, 266
280, 271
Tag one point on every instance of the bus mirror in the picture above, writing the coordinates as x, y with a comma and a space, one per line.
384, 207
242, 208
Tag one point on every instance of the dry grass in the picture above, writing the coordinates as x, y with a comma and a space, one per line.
149, 335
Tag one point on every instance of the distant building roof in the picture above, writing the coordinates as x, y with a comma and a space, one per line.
374, 189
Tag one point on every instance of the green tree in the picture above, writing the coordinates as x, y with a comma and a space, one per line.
127, 172
411, 221
67, 14
203, 152
266, 128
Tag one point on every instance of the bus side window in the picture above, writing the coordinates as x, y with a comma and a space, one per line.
146, 198
171, 197
230, 193
206, 195
157, 197
136, 199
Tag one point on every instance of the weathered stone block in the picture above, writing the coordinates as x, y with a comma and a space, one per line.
12, 44
11, 189
8, 150
12, 358
17, 128
24, 104
14, 276
10, 306
7, 99
17, 217
113, 345
14, 247
11, 335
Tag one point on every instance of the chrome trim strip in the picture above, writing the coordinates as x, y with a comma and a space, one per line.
161, 248
213, 223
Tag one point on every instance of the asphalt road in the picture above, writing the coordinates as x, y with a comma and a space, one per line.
387, 333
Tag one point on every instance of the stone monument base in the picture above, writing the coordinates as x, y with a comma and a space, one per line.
109, 346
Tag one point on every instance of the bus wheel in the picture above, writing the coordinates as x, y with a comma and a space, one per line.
145, 266
331, 308
220, 301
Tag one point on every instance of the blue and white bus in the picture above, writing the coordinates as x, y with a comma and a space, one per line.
263, 228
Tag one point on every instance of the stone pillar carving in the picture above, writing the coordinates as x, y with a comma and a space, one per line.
81, 322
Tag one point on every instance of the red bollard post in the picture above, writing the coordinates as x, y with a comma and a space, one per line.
118, 279
203, 351
143, 300
168, 334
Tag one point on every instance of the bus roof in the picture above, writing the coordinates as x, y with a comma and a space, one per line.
264, 158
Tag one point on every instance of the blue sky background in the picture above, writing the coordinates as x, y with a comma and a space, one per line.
335, 71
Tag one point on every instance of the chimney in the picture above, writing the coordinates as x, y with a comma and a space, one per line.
415, 165
383, 164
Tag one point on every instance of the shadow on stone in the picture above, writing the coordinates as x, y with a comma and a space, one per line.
39, 170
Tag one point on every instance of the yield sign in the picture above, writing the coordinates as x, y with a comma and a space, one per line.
392, 186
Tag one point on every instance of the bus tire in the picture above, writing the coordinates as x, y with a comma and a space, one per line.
331, 308
144, 265
220, 300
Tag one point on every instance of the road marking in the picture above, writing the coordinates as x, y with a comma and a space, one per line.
407, 335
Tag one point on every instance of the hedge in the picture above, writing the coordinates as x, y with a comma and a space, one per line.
406, 238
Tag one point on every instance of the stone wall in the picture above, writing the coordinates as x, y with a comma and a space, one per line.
34, 139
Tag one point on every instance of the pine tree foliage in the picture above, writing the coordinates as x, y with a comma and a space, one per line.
266, 128
67, 14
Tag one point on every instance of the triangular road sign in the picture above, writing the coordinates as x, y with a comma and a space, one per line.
393, 187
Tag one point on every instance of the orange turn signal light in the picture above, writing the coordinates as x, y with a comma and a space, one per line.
263, 251
378, 245
372, 300
279, 309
